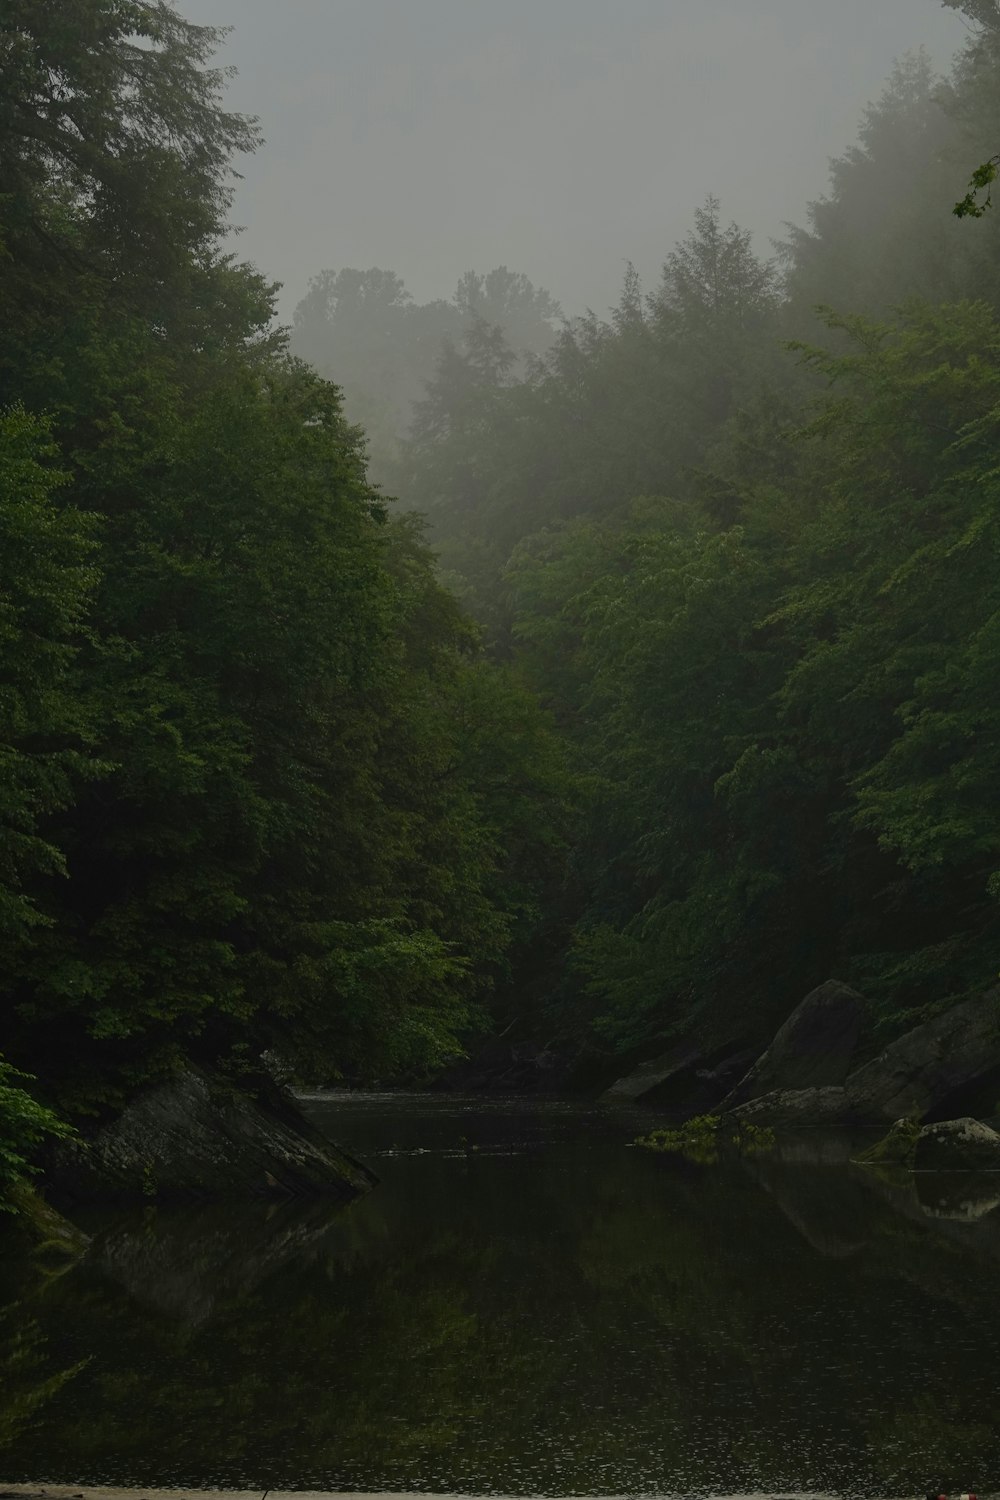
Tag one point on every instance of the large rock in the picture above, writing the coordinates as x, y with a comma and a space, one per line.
796, 1109
687, 1078
923, 1072
650, 1075
916, 1074
957, 1146
196, 1137
813, 1049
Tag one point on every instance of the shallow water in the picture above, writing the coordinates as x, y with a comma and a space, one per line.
525, 1305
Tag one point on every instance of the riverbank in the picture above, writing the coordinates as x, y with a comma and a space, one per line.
111, 1492
116, 1492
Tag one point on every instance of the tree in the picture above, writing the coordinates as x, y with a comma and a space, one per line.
240, 801
47, 578
526, 315
24, 1125
114, 147
985, 15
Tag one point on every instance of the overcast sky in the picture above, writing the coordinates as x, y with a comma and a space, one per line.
557, 137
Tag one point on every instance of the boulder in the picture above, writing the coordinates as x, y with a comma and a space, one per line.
920, 1074
813, 1049
795, 1109
915, 1075
650, 1075
957, 1146
897, 1149
689, 1078
194, 1136
715, 1082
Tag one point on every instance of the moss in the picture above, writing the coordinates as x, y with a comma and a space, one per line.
37, 1227
701, 1138
897, 1149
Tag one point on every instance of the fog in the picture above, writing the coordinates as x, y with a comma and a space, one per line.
560, 137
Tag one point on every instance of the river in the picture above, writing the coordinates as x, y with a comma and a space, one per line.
527, 1304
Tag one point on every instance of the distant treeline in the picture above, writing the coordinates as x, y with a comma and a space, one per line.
706, 711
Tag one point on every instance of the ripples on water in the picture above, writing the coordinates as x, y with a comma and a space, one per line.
526, 1305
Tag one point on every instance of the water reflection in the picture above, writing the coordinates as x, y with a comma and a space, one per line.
525, 1305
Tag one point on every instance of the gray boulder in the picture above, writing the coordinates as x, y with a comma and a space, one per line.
915, 1075
795, 1109
957, 1146
813, 1049
686, 1078
650, 1075
918, 1074
194, 1136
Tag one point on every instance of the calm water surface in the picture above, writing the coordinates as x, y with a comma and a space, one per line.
526, 1305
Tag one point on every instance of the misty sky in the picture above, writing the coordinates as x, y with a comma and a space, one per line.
558, 137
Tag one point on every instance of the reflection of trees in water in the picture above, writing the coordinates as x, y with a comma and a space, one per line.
28, 1382
598, 1320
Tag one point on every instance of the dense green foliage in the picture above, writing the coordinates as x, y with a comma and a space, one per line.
261, 788
24, 1125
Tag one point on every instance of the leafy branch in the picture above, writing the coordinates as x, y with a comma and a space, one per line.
982, 180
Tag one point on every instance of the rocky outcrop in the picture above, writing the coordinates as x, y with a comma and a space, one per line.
687, 1077
194, 1136
957, 1146
813, 1049
649, 1075
964, 1145
795, 1109
917, 1075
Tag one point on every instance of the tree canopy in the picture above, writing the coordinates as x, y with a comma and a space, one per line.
262, 790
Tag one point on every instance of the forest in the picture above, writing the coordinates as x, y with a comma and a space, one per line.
425, 672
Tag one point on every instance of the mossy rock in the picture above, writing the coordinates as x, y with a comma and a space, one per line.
34, 1227
897, 1149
